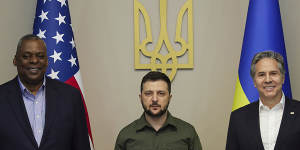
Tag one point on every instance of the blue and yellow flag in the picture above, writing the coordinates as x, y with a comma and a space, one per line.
263, 32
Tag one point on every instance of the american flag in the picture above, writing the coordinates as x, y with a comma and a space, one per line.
52, 23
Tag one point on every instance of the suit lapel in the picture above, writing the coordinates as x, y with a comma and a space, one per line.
253, 123
16, 101
287, 119
51, 105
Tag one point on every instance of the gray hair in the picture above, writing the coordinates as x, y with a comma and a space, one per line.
28, 37
267, 54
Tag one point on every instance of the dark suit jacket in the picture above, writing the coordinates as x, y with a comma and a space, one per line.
65, 123
244, 128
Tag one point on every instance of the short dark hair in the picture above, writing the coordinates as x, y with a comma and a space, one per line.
267, 54
26, 38
155, 76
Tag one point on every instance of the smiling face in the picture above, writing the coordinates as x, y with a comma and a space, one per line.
155, 98
31, 62
268, 79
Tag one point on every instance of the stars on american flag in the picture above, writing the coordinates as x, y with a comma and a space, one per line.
58, 37
41, 34
61, 19
53, 74
62, 2
53, 25
43, 16
56, 56
73, 43
73, 61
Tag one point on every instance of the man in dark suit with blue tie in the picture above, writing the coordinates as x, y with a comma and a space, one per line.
271, 123
39, 113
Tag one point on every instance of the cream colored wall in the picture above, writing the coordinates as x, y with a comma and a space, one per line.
104, 38
16, 20
290, 21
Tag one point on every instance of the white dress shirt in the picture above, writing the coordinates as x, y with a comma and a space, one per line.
270, 120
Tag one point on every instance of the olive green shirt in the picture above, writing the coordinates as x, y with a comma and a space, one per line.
175, 134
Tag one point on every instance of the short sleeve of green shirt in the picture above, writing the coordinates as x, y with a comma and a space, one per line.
175, 134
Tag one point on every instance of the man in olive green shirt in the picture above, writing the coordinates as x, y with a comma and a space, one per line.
157, 129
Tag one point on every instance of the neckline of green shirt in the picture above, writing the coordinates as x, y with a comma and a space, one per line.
142, 123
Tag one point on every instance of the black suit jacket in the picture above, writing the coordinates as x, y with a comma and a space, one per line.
65, 123
244, 128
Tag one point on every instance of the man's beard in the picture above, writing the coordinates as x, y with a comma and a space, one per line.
159, 114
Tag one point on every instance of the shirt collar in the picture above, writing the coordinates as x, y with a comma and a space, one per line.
280, 104
143, 123
24, 89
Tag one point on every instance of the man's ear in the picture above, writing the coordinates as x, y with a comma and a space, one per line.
15, 61
253, 80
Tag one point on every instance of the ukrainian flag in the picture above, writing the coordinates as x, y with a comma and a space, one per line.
263, 32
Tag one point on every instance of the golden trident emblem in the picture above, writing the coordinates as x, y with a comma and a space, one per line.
168, 62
